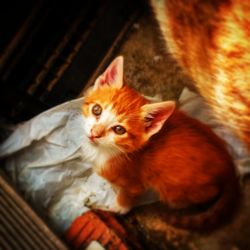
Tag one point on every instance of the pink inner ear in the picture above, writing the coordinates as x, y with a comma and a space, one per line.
156, 115
109, 75
153, 120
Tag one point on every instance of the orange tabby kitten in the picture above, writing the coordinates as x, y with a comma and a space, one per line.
211, 40
137, 145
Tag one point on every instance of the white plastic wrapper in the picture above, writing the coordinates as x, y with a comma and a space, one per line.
45, 158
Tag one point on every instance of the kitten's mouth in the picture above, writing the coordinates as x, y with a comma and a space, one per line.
93, 140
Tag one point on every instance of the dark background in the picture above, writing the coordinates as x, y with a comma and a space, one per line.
49, 49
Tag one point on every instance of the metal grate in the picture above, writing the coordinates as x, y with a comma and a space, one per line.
20, 227
55, 51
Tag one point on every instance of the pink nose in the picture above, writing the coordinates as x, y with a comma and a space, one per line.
97, 132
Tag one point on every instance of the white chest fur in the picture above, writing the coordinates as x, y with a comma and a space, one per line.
95, 155
101, 150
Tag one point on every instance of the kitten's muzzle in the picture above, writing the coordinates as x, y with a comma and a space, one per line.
96, 132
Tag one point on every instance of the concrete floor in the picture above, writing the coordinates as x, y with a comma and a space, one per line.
151, 70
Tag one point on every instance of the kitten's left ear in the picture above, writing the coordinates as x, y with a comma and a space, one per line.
113, 75
155, 115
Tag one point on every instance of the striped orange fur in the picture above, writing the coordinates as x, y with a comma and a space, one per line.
211, 40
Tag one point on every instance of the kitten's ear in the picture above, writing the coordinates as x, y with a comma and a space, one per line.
113, 75
155, 115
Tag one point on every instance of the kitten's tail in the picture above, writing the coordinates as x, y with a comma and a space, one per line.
220, 212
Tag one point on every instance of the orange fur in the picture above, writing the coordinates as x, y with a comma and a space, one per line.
165, 150
127, 113
211, 40
186, 164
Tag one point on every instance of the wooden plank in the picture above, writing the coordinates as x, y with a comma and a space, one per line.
41, 234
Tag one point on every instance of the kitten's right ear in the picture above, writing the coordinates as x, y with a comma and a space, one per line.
155, 115
113, 75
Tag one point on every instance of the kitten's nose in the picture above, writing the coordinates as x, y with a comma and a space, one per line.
97, 131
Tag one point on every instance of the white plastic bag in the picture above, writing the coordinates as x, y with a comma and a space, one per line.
46, 159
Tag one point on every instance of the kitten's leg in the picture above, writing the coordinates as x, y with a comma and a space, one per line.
127, 199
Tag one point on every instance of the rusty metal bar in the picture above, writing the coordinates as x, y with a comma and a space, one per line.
51, 60
19, 35
110, 52
74, 52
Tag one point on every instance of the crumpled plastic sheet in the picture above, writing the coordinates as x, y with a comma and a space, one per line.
45, 158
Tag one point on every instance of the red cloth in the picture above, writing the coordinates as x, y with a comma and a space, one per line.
96, 226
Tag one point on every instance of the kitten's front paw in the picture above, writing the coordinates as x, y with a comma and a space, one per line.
120, 209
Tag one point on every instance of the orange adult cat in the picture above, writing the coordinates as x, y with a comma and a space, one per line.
137, 145
211, 40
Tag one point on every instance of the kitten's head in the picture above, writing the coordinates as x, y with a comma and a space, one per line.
118, 118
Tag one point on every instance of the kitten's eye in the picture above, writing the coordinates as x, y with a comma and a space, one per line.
119, 130
97, 109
